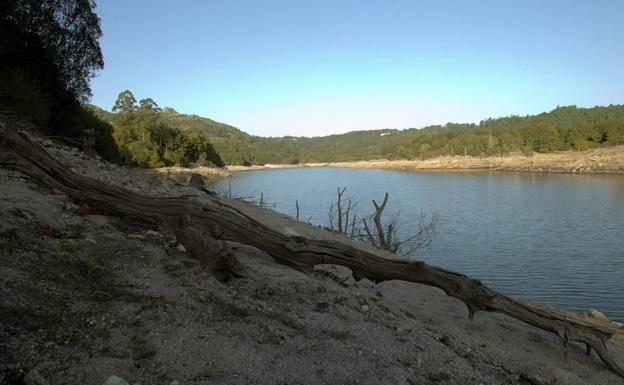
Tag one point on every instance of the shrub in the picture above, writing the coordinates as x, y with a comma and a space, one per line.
581, 144
145, 140
23, 93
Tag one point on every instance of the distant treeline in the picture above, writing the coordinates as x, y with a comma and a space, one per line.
564, 128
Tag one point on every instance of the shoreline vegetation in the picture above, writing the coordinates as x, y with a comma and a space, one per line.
606, 160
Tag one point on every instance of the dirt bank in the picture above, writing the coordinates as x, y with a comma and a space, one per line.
601, 160
607, 160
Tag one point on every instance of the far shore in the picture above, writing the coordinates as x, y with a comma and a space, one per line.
607, 160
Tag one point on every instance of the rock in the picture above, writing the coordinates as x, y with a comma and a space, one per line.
197, 182
172, 266
35, 378
535, 337
47, 143
181, 248
364, 308
152, 233
114, 380
174, 382
155, 237
321, 307
597, 314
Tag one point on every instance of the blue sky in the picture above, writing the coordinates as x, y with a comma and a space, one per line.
318, 67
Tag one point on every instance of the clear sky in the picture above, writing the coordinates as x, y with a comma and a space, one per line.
317, 67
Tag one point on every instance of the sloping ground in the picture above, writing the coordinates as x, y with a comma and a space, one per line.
84, 296
599, 160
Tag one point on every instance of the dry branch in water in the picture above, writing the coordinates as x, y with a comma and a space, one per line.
372, 230
220, 220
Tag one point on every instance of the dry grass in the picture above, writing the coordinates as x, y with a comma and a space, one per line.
600, 160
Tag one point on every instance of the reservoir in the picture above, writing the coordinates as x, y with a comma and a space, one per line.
550, 238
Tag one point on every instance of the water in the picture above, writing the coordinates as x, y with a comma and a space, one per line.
549, 238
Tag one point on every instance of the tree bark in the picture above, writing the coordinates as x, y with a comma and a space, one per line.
220, 220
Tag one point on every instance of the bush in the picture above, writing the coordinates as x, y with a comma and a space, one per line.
144, 140
24, 95
581, 144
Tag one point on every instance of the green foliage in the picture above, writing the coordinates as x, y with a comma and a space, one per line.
125, 102
147, 104
146, 141
54, 41
49, 51
560, 129
21, 92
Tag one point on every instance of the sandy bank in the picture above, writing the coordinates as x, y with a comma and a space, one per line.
267, 166
601, 160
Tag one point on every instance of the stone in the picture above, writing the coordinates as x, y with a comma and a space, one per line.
182, 248
364, 308
35, 378
197, 182
535, 337
152, 233
321, 307
114, 380
597, 314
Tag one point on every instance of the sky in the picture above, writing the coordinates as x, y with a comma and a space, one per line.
309, 68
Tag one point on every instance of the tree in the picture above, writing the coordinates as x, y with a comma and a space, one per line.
64, 33
146, 140
148, 104
544, 138
125, 102
344, 219
50, 49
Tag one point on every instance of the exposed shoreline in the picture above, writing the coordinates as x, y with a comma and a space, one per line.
607, 160
86, 295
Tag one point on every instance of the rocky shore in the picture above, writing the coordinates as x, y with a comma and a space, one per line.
87, 298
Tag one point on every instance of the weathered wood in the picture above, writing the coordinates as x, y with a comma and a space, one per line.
220, 220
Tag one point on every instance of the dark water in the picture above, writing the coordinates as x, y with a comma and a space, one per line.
550, 238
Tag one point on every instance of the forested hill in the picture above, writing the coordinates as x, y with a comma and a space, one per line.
560, 129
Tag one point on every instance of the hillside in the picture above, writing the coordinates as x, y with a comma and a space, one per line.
564, 128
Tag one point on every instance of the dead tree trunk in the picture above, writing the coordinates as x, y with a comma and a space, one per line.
220, 220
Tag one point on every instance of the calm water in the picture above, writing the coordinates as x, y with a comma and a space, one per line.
551, 238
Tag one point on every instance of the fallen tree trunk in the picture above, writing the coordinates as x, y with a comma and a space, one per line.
220, 220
